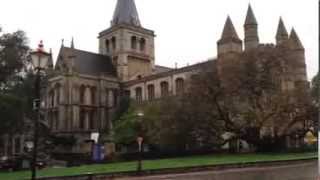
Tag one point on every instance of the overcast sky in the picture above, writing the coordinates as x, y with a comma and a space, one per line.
187, 30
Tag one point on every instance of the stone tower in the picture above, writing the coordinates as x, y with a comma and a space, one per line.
130, 45
297, 53
229, 42
229, 47
282, 33
251, 38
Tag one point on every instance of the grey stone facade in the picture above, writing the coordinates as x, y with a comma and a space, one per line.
84, 93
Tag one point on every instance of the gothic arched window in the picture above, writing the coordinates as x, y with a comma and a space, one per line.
133, 42
114, 43
58, 92
151, 94
107, 45
51, 98
91, 119
139, 94
164, 89
115, 98
82, 92
179, 86
93, 95
142, 44
82, 119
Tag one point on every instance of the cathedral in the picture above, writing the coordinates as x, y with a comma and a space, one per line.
84, 92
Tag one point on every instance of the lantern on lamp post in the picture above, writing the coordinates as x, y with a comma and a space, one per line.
39, 60
140, 142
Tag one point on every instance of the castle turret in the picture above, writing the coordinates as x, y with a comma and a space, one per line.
229, 42
282, 33
251, 39
295, 42
130, 45
297, 54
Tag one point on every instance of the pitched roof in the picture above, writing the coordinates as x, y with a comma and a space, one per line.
126, 13
295, 40
160, 69
229, 32
88, 63
203, 66
250, 19
282, 31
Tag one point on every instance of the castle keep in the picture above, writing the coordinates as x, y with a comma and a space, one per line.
85, 90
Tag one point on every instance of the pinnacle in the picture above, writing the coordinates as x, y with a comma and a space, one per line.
72, 43
126, 13
229, 30
294, 39
282, 31
250, 19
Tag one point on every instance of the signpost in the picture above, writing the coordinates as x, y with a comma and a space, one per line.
139, 141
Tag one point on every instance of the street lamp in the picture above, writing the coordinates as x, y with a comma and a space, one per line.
140, 141
39, 60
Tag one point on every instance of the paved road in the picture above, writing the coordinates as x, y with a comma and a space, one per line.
302, 171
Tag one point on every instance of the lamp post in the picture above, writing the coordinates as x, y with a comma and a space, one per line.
140, 141
39, 59
318, 76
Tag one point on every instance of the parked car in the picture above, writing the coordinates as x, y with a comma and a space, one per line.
19, 162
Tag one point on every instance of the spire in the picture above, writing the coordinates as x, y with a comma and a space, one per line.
72, 43
250, 19
50, 63
294, 40
229, 42
282, 33
229, 31
126, 13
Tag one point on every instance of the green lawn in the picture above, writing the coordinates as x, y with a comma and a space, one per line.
160, 164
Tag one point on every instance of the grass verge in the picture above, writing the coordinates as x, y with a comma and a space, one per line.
192, 161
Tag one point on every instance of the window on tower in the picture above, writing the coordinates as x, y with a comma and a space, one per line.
107, 46
114, 43
133, 42
142, 44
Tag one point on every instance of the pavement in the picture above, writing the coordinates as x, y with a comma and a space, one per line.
300, 171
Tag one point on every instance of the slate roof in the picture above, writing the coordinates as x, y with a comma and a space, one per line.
161, 69
203, 66
250, 19
295, 40
126, 13
229, 31
282, 31
89, 63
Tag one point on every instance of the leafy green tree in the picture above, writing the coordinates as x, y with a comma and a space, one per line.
11, 110
13, 58
16, 90
127, 127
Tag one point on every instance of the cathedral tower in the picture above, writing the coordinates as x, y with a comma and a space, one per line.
251, 38
130, 45
282, 34
229, 42
297, 52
